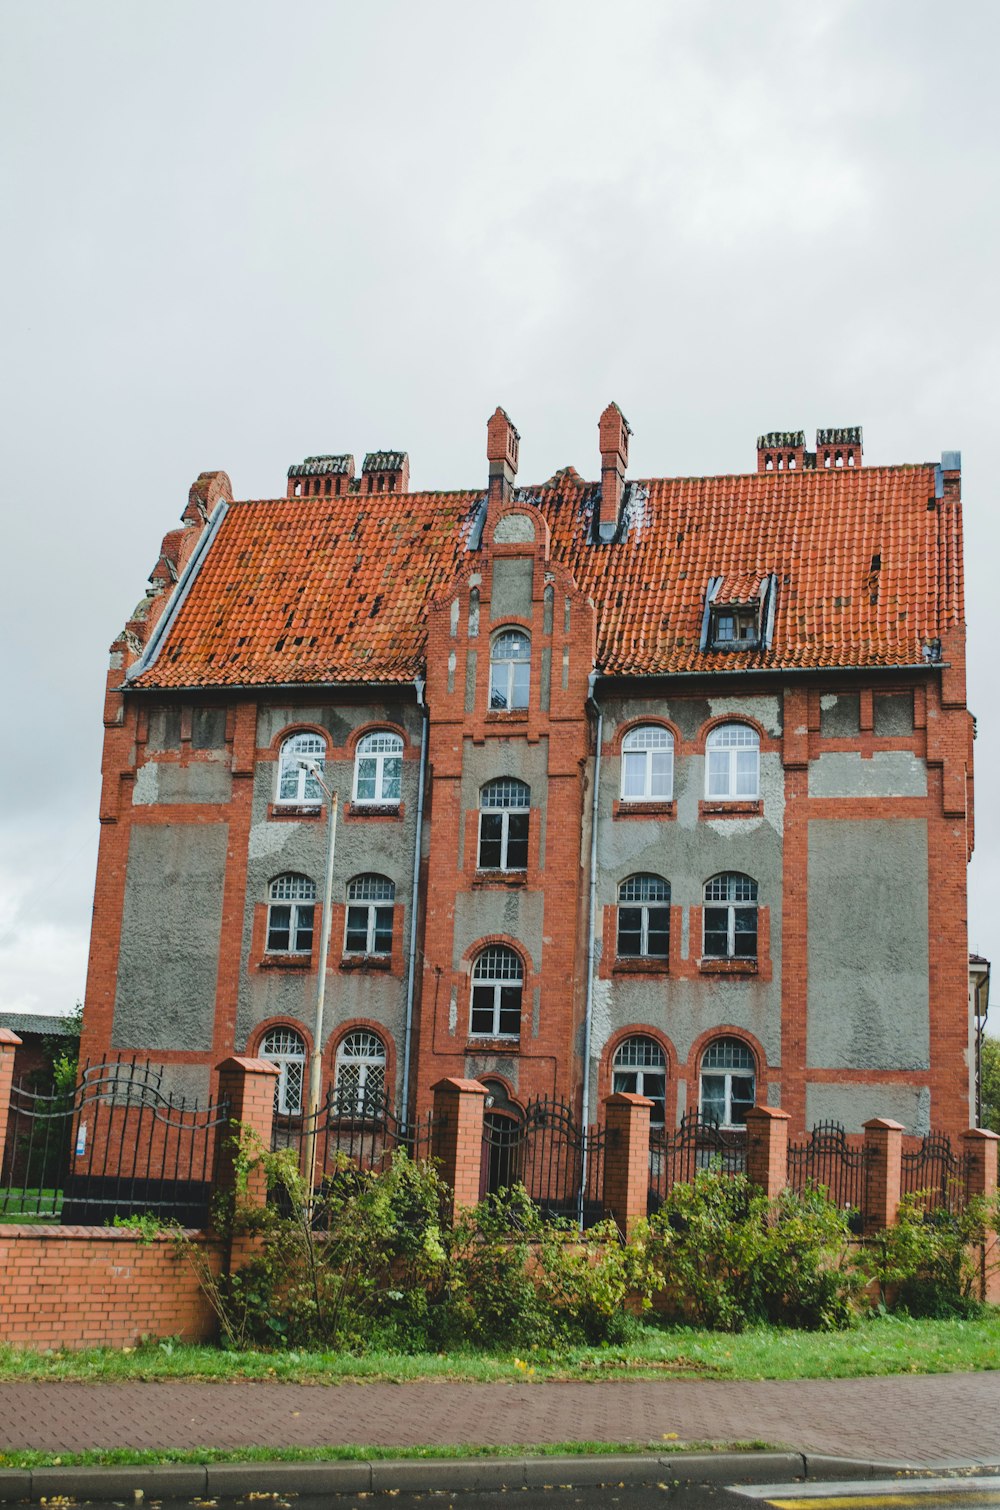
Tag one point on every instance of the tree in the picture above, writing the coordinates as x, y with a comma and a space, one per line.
989, 1080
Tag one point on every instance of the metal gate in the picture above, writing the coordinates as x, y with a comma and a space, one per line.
543, 1148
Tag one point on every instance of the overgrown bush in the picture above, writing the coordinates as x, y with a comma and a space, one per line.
728, 1256
929, 1262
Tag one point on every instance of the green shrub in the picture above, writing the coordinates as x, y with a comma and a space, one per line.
928, 1263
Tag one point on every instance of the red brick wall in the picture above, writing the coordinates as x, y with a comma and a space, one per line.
78, 1287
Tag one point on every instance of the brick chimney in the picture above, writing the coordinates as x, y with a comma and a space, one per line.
386, 472
501, 453
614, 431
320, 477
783, 451
839, 447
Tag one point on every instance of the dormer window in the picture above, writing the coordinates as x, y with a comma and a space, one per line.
734, 625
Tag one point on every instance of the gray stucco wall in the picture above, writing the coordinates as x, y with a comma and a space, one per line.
868, 990
169, 954
853, 1105
889, 773
158, 781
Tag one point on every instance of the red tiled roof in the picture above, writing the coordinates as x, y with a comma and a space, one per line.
326, 590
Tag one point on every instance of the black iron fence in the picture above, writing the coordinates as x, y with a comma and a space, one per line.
114, 1145
352, 1131
698, 1143
828, 1158
935, 1173
544, 1148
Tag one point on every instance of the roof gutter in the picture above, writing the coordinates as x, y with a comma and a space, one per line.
186, 581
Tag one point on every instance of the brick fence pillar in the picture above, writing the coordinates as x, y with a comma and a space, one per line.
248, 1086
767, 1149
883, 1155
626, 1158
458, 1138
9, 1045
980, 1149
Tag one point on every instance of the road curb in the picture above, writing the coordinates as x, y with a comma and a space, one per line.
177, 1481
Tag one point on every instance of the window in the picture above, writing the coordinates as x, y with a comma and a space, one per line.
640, 1069
503, 825
370, 902
648, 765
734, 626
497, 978
644, 918
290, 915
295, 782
728, 1082
732, 765
360, 1074
510, 670
378, 768
287, 1049
730, 917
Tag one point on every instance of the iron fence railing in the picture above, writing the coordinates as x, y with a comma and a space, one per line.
114, 1145
828, 1158
698, 1143
544, 1148
935, 1173
360, 1132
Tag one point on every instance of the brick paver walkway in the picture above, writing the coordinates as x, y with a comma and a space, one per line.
926, 1421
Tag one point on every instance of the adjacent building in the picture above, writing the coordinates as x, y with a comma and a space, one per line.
655, 784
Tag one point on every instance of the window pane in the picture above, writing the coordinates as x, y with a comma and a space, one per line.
490, 835
482, 1009
716, 932
746, 932
742, 1096
655, 1087
718, 773
510, 1010
746, 773
312, 792
658, 934
522, 673
288, 788
279, 922
383, 930
392, 778
634, 775
713, 1097
662, 780
303, 930
629, 932
625, 1082
357, 930
366, 778
292, 1072
498, 687
517, 841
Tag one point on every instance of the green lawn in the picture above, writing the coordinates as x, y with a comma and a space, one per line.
39, 1204
883, 1345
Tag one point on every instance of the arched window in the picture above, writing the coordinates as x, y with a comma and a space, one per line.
497, 979
732, 766
640, 1069
360, 1073
286, 1048
378, 767
644, 918
503, 825
295, 781
648, 764
510, 670
370, 902
291, 905
730, 917
728, 1082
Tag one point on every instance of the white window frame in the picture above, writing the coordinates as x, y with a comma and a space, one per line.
306, 792
504, 796
496, 968
639, 1068
641, 902
745, 1069
374, 894
381, 746
286, 1048
736, 893
362, 1051
727, 766
298, 894
509, 690
640, 749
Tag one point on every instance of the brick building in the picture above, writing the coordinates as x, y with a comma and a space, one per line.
658, 784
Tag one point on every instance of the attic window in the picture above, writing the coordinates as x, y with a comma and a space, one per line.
734, 626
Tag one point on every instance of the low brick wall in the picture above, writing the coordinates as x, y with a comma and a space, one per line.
81, 1287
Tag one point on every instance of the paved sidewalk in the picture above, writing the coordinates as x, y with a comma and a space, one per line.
926, 1421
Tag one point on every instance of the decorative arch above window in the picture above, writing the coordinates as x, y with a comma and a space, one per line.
359, 1074
730, 917
370, 906
497, 983
378, 768
639, 1068
503, 825
296, 783
732, 763
510, 670
285, 1048
648, 764
644, 918
728, 1083
290, 912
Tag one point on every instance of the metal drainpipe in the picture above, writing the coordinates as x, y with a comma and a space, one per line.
411, 968
591, 949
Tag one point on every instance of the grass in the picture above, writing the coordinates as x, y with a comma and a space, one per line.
882, 1345
128, 1457
34, 1204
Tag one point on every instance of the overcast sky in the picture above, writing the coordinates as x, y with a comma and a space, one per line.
238, 233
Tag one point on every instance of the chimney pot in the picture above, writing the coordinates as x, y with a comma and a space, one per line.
320, 477
613, 432
502, 442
